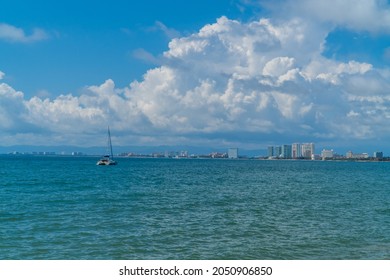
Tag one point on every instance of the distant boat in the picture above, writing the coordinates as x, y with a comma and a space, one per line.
108, 159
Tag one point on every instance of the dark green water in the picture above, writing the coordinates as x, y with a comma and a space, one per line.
69, 208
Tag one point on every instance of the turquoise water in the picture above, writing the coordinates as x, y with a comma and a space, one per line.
69, 208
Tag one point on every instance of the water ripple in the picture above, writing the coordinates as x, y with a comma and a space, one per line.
67, 208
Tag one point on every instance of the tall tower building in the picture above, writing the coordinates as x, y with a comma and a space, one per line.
271, 151
296, 150
307, 150
286, 151
278, 151
233, 153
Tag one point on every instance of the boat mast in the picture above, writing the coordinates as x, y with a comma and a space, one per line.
109, 142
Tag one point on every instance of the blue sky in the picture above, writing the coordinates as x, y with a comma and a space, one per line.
88, 41
224, 73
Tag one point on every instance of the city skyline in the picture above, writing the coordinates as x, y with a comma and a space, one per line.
213, 74
285, 151
308, 151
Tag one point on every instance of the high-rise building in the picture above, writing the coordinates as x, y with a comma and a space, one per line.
378, 155
307, 150
286, 151
271, 151
278, 151
232, 153
296, 150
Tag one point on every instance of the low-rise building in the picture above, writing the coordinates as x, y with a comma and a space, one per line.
351, 155
327, 154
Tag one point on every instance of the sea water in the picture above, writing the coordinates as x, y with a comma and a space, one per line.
69, 208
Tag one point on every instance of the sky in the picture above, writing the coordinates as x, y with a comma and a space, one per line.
226, 73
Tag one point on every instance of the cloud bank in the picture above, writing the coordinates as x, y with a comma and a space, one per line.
230, 83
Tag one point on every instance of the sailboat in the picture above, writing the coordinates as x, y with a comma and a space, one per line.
108, 159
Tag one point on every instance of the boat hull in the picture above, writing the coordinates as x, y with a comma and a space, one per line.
106, 162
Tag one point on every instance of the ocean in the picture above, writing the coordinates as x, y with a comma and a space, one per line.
67, 208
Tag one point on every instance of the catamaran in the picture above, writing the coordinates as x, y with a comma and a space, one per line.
108, 159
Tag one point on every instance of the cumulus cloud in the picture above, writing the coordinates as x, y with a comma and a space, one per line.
11, 108
232, 82
358, 15
15, 34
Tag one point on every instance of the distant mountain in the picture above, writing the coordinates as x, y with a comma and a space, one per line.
144, 150
50, 149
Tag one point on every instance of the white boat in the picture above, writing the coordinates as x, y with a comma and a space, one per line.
108, 159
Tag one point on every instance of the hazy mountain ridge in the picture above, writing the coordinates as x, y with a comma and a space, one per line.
144, 150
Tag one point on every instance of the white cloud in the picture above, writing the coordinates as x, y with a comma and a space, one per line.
2, 75
62, 114
332, 71
278, 66
358, 15
11, 107
15, 34
230, 80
